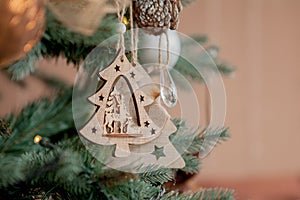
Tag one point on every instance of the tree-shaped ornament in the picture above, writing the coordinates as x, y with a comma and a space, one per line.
129, 116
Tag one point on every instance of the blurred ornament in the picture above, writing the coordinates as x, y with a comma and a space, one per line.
21, 27
149, 48
121, 27
81, 16
157, 15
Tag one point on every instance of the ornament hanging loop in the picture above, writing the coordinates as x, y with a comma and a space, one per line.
121, 6
168, 91
133, 37
160, 56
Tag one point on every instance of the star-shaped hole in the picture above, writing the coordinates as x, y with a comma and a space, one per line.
158, 152
147, 123
132, 75
101, 97
142, 98
153, 131
94, 130
117, 68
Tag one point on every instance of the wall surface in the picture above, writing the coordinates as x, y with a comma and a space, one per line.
261, 38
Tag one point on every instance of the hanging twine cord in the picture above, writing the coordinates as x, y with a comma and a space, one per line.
135, 49
121, 6
136, 41
160, 56
134, 37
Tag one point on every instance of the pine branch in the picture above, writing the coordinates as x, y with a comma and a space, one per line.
60, 41
133, 189
184, 136
187, 2
204, 194
4, 129
208, 58
43, 117
187, 136
26, 66
10, 170
211, 136
67, 170
201, 39
40, 117
217, 194
225, 68
157, 176
59, 172
192, 164
62, 168
206, 139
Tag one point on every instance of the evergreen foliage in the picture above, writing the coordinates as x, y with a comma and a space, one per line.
59, 166
186, 2
64, 169
58, 41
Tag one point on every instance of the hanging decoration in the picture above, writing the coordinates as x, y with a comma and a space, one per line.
157, 15
129, 114
148, 48
168, 90
21, 27
122, 117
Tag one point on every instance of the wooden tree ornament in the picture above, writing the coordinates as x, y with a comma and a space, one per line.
131, 117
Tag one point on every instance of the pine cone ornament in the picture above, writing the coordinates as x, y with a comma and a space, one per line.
176, 8
157, 15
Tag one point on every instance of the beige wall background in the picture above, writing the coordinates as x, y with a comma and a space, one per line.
261, 38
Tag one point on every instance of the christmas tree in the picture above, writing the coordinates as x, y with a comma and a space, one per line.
41, 154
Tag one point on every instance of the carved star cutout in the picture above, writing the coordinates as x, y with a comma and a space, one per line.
101, 97
147, 123
142, 98
153, 131
94, 130
158, 152
132, 74
117, 68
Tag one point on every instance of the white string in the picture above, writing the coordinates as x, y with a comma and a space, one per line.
136, 42
134, 37
121, 13
160, 56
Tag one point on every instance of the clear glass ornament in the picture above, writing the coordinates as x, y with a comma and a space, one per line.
168, 91
185, 96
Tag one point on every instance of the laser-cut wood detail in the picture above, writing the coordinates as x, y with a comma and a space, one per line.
123, 117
